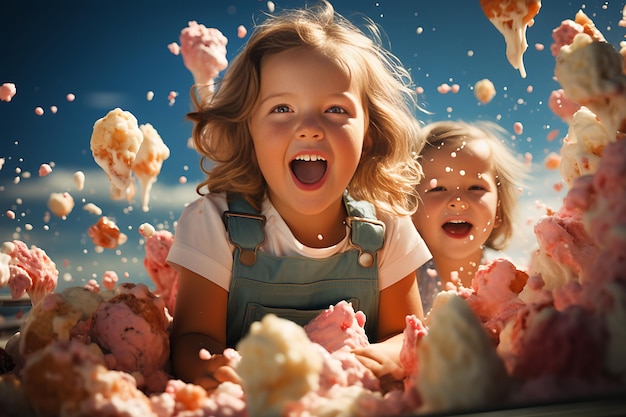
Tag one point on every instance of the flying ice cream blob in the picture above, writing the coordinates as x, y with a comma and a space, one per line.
115, 142
152, 152
484, 90
7, 91
204, 51
61, 204
106, 234
512, 18
204, 54
79, 180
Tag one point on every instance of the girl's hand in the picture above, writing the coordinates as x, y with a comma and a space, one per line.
390, 373
218, 368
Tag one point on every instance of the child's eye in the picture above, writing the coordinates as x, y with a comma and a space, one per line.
336, 109
439, 188
281, 108
477, 188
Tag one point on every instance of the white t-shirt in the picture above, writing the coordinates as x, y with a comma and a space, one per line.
201, 243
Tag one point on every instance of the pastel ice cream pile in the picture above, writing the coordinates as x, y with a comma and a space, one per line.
512, 18
131, 328
121, 147
70, 379
565, 341
552, 332
57, 317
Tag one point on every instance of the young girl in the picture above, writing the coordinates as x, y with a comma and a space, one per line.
469, 200
309, 198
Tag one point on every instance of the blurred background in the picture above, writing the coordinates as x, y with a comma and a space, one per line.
112, 54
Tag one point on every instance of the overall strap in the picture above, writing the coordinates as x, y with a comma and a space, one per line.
367, 233
245, 227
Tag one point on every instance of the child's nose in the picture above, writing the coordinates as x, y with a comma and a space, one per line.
457, 203
309, 127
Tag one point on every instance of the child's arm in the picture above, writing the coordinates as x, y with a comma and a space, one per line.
200, 323
396, 302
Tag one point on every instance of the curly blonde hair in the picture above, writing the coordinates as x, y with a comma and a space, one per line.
510, 172
387, 174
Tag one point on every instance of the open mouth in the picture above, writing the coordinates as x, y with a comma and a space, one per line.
308, 169
457, 228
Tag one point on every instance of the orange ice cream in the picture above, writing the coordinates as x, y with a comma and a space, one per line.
148, 161
115, 142
106, 234
512, 18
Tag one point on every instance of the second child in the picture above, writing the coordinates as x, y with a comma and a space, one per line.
469, 200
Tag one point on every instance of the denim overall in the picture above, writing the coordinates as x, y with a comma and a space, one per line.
299, 288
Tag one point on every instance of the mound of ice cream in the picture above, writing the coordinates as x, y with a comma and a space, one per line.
459, 368
512, 18
552, 332
70, 379
57, 317
132, 330
285, 374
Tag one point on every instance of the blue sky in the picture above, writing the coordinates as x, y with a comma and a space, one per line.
111, 53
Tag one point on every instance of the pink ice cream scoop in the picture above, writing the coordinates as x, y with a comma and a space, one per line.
204, 51
562, 106
162, 274
564, 35
7, 91
495, 299
30, 271
338, 327
132, 330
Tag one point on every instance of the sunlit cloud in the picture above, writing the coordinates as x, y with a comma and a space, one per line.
105, 100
